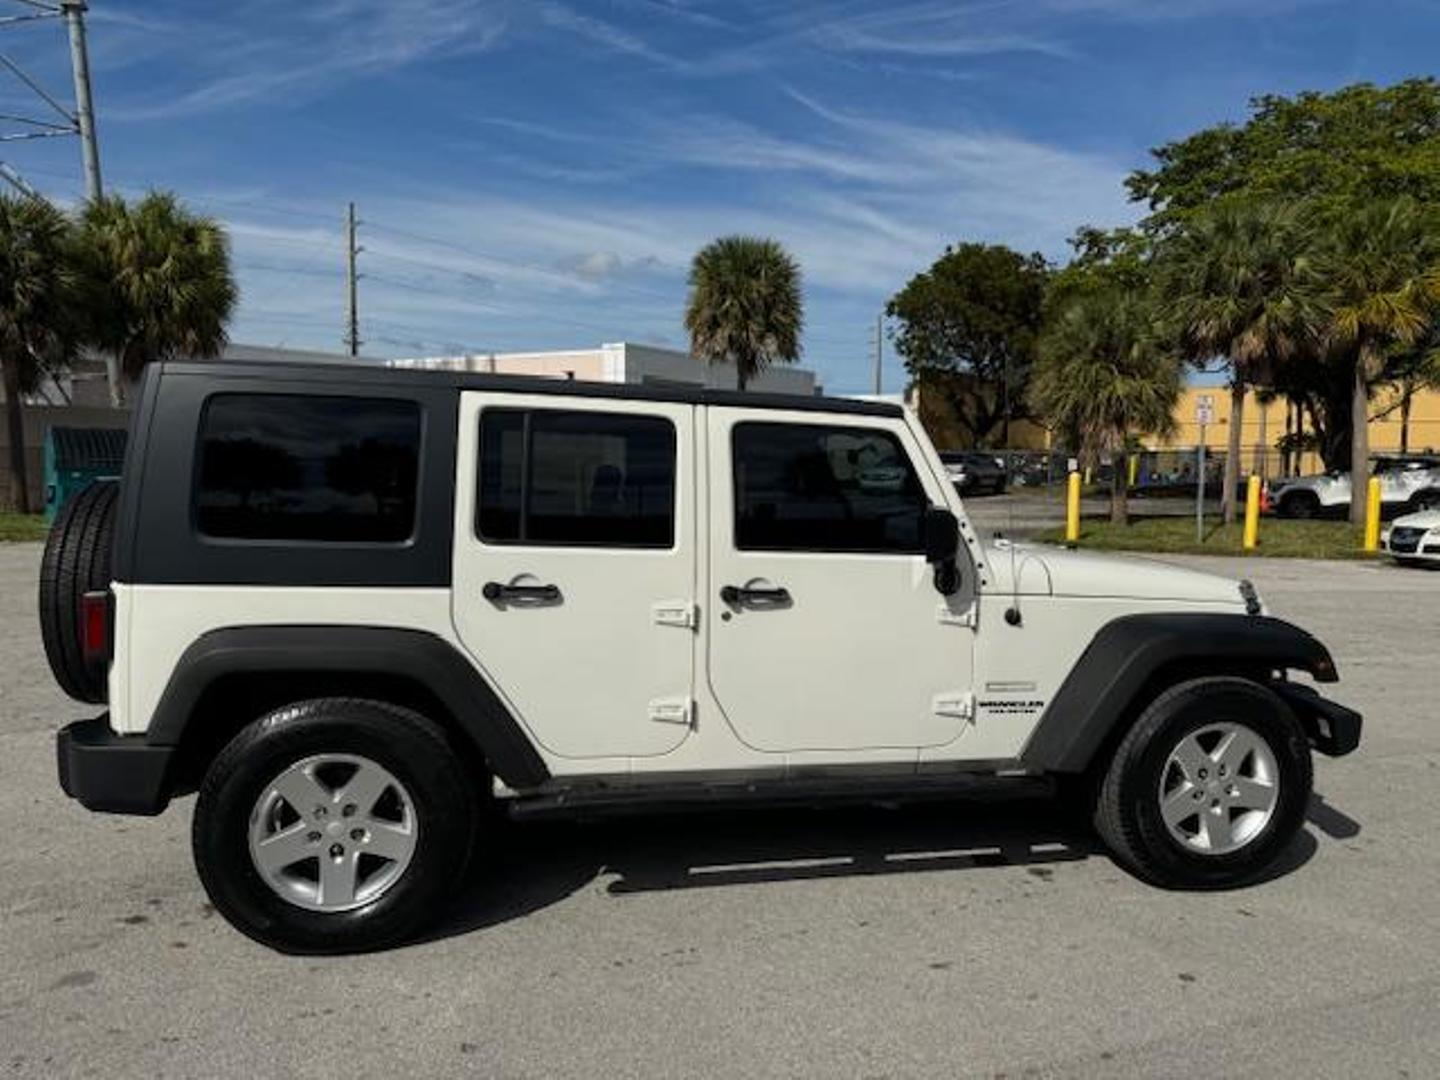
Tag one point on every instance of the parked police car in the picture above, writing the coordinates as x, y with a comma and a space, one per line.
351, 607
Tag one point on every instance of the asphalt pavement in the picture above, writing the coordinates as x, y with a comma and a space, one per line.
959, 939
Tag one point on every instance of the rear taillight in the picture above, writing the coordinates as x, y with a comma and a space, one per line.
95, 627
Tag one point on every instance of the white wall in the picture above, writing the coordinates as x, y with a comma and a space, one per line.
622, 362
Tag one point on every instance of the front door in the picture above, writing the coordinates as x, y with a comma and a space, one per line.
829, 633
575, 566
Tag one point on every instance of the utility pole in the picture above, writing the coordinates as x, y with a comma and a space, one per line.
74, 11
352, 326
879, 354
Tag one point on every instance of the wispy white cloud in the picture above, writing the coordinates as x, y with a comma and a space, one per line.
282, 50
935, 30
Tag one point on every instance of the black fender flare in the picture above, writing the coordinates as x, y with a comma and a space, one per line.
418, 655
1127, 653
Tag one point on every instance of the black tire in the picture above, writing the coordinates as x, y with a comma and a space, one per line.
1127, 812
76, 561
1300, 504
413, 749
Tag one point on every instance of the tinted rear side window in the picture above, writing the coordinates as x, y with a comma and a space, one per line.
812, 487
549, 476
308, 467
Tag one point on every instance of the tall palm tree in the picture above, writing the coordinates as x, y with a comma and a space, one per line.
158, 281
36, 308
1382, 266
1106, 372
1242, 284
745, 305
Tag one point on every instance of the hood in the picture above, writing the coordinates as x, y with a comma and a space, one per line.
1055, 571
1426, 519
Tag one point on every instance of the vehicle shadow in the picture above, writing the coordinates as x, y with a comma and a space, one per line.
528, 866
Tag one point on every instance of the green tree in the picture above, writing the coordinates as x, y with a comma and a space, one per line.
36, 314
1337, 149
1107, 373
968, 329
1382, 266
745, 305
1241, 284
158, 282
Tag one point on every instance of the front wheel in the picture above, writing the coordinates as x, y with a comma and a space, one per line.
333, 825
1209, 786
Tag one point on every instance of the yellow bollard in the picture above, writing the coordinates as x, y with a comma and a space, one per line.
1252, 513
1372, 515
1072, 509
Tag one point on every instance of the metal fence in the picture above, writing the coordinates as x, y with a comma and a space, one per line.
1153, 471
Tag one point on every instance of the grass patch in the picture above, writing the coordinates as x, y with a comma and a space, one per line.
1279, 538
15, 526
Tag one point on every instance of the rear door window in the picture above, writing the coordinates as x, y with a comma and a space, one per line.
575, 478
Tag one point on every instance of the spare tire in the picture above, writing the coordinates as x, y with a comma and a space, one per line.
76, 561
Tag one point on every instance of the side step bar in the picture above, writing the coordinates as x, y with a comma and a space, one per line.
659, 797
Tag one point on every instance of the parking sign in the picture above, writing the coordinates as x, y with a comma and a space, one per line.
1205, 409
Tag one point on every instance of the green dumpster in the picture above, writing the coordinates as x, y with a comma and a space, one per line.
76, 456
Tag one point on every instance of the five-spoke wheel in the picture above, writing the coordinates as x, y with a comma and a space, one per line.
332, 832
1208, 786
335, 824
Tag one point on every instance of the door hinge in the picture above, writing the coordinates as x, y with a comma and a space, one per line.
676, 613
672, 711
969, 617
961, 706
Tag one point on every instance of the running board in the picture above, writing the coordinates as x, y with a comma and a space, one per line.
695, 796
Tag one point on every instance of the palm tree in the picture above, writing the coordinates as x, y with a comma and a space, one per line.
1241, 282
745, 305
158, 282
1106, 372
1383, 270
36, 309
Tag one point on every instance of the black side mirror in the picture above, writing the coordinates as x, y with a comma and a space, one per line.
941, 534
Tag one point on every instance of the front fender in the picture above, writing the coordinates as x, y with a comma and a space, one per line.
1128, 654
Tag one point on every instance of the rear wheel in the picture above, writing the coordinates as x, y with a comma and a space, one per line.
334, 825
1209, 786
1300, 504
76, 561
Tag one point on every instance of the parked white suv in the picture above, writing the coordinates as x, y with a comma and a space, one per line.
353, 608
1409, 483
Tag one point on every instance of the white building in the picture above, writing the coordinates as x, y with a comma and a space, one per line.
622, 362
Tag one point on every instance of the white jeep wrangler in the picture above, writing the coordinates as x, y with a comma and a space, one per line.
360, 610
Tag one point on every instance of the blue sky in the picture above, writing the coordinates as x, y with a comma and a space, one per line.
537, 174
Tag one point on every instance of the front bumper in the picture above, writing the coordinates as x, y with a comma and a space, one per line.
117, 774
1332, 729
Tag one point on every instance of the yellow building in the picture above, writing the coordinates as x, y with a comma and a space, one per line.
1264, 426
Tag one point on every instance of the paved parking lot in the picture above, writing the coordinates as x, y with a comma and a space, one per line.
980, 938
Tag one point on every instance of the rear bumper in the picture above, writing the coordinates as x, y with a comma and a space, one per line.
117, 774
1333, 729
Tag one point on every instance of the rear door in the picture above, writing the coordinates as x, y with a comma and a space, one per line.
830, 635
575, 566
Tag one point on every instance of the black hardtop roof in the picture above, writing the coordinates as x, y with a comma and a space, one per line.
360, 376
